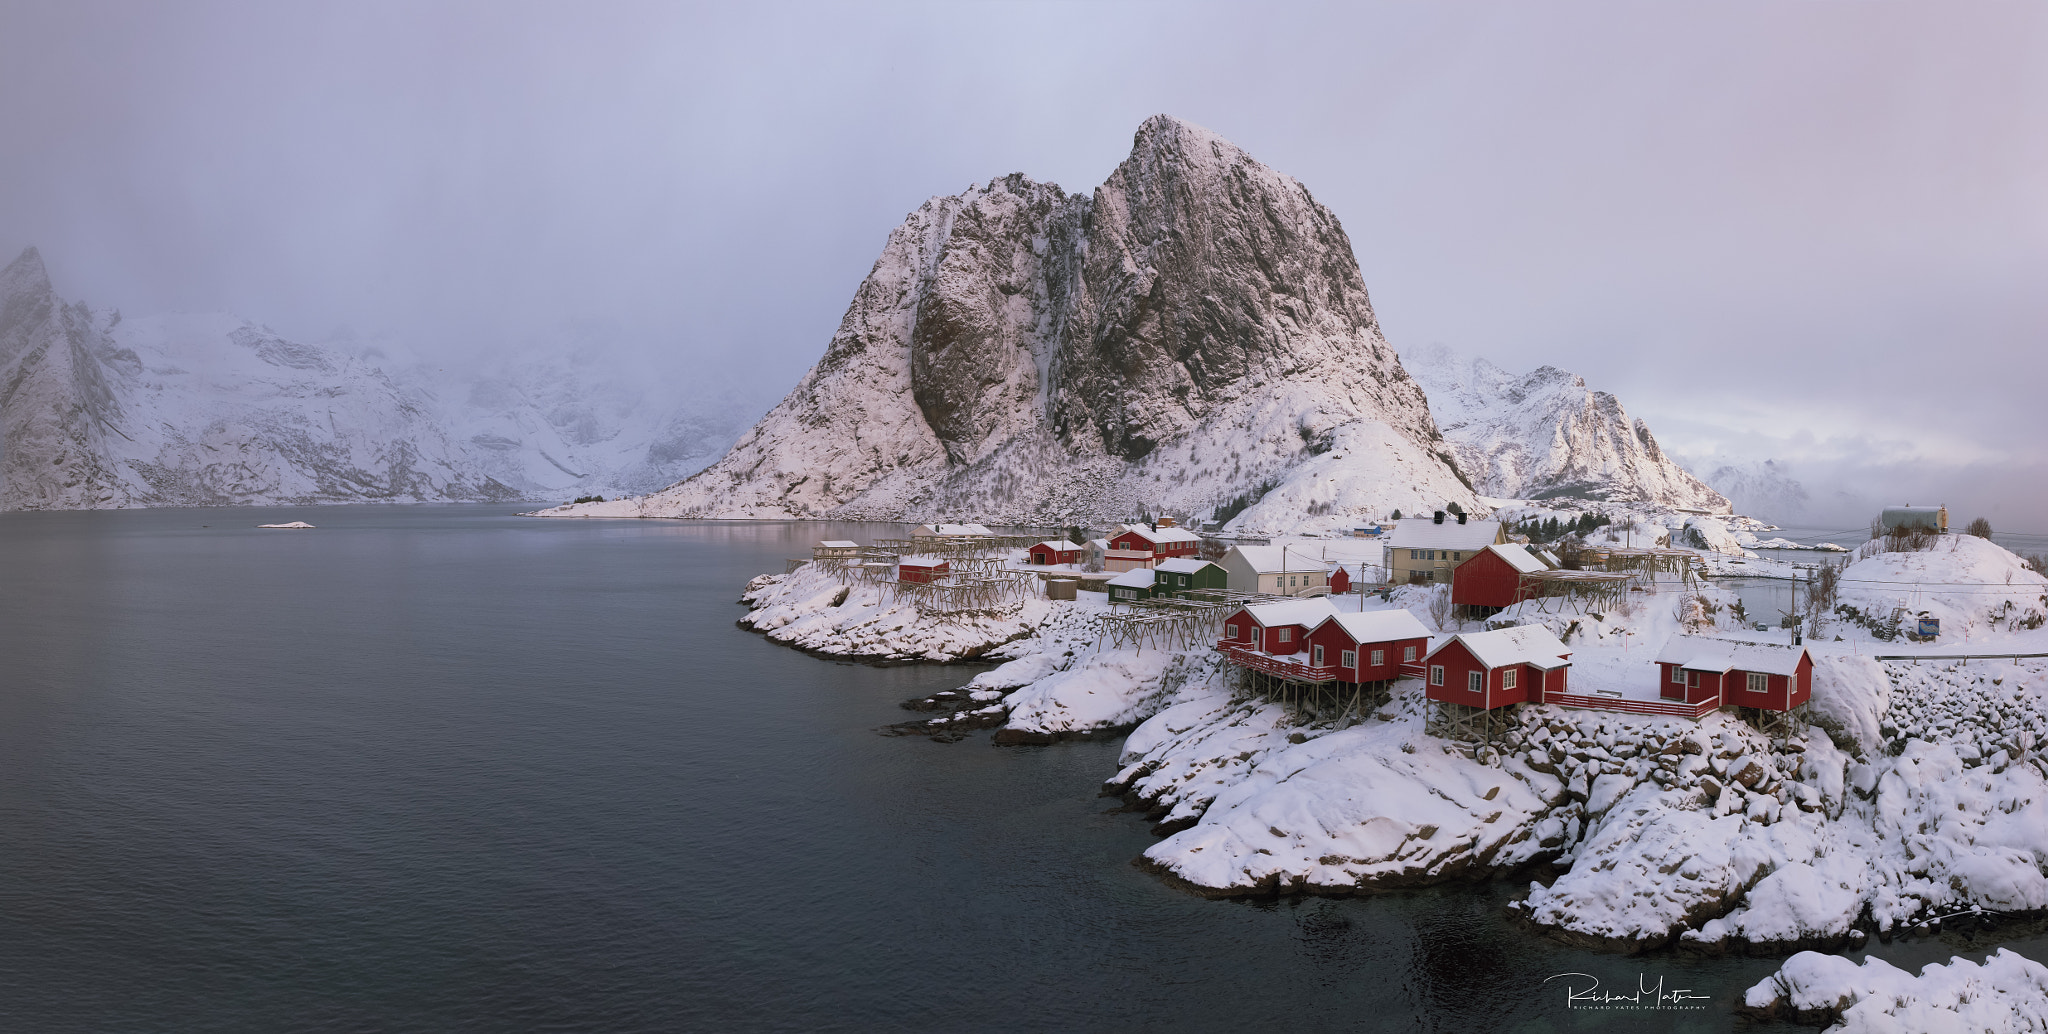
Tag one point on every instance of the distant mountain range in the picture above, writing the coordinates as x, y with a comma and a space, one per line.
1545, 435
211, 410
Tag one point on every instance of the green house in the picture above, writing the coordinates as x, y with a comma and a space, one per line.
1182, 575
1131, 586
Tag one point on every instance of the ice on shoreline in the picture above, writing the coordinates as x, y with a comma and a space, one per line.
293, 524
2006, 992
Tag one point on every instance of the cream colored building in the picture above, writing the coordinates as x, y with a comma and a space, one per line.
1428, 549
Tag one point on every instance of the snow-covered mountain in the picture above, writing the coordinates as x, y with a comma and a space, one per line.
1545, 435
1763, 489
211, 410
1194, 331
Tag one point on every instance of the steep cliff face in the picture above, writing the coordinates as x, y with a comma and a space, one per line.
57, 410
1194, 331
1545, 435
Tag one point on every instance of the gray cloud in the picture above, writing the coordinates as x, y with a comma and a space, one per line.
1809, 230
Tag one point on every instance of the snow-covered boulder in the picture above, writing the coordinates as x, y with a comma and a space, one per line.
2006, 992
1710, 534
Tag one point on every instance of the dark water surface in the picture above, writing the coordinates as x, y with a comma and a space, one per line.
438, 769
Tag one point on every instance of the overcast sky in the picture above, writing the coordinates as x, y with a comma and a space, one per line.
1810, 231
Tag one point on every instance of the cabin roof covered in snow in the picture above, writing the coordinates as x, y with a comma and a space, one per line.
1533, 645
1061, 544
922, 561
1518, 557
1184, 565
1425, 533
1268, 559
1161, 535
1380, 626
1309, 612
1135, 578
1699, 653
839, 544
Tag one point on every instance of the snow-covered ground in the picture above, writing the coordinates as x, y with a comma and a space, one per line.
820, 610
2006, 992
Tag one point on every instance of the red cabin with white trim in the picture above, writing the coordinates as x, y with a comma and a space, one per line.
1340, 581
921, 569
1494, 669
1160, 544
1372, 647
1493, 577
1276, 628
1048, 553
1767, 676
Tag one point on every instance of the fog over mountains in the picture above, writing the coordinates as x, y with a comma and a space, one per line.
97, 412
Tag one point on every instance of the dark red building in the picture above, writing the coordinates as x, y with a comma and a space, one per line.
1493, 577
1048, 553
1372, 647
921, 569
1766, 676
1494, 669
1161, 544
1340, 581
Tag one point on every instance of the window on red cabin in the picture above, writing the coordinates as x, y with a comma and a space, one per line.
1287, 635
1349, 657
1379, 657
1229, 631
1408, 657
1759, 682
1507, 679
1677, 674
1475, 682
1436, 674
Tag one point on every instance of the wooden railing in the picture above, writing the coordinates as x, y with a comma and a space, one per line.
1272, 665
1677, 708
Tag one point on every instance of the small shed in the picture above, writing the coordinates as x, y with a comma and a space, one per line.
1767, 676
1486, 670
1061, 552
1182, 575
1932, 518
1492, 578
950, 531
922, 569
1340, 580
1369, 647
1131, 586
836, 549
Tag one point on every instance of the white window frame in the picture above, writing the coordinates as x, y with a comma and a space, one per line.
1507, 678
1287, 635
1759, 682
1436, 674
1677, 675
1229, 631
1379, 657
1408, 657
1349, 658
1475, 682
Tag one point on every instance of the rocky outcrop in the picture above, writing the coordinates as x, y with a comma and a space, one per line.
1194, 331
1546, 435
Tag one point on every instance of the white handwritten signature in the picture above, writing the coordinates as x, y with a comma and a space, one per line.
1586, 993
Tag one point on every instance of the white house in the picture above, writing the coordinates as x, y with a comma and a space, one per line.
1276, 570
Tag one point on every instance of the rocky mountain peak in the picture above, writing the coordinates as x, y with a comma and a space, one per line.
1194, 331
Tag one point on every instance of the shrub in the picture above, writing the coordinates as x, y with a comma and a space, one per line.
1980, 528
587, 499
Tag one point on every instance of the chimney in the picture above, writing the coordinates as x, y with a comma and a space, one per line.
1439, 519
1461, 518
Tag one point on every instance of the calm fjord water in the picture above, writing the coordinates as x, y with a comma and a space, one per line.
441, 769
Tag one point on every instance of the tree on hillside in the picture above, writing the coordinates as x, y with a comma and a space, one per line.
1980, 528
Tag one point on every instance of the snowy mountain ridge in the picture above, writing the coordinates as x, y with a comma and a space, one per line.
1546, 435
212, 410
1194, 332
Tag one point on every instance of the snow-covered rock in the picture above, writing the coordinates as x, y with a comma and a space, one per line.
1973, 586
1195, 332
1546, 435
2006, 992
821, 610
1711, 535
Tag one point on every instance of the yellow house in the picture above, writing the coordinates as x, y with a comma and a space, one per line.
1428, 549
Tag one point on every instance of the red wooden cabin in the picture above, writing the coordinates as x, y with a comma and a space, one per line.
1340, 581
921, 569
1494, 669
1273, 638
1493, 577
1049, 552
1160, 544
1371, 647
1767, 676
